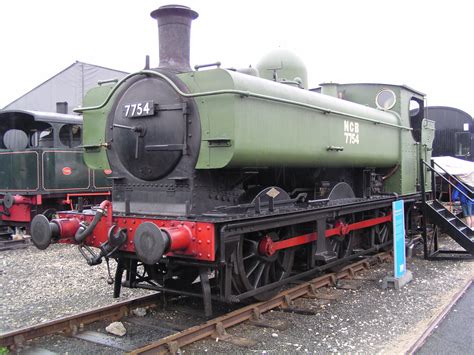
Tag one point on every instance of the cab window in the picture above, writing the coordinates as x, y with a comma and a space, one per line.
462, 141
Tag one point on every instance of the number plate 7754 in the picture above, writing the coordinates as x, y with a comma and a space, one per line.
140, 109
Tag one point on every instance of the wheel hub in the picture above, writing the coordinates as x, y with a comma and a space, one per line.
265, 246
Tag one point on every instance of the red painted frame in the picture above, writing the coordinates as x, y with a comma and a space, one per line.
21, 209
189, 239
200, 246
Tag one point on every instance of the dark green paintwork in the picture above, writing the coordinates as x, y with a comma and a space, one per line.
427, 139
94, 127
266, 133
54, 178
101, 180
283, 64
19, 171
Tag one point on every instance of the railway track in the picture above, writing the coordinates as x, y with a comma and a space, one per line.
12, 244
216, 328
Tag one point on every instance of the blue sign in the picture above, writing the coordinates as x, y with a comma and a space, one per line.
398, 219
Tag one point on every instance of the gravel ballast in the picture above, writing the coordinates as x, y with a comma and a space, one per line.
36, 286
368, 320
39, 285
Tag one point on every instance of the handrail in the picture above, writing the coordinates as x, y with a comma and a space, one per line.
448, 181
423, 199
242, 93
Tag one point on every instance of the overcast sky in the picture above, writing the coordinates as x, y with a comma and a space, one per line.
426, 45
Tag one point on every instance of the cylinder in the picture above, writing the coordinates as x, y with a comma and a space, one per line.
174, 34
67, 226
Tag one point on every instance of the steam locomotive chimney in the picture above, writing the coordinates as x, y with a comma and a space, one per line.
174, 25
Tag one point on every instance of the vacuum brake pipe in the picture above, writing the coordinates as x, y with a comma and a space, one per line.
85, 230
43, 230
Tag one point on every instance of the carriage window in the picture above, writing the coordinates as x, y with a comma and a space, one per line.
15, 139
462, 141
43, 138
70, 135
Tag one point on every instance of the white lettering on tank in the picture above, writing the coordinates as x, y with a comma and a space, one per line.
351, 132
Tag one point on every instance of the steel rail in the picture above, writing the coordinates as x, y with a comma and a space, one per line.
71, 324
436, 321
217, 326
12, 244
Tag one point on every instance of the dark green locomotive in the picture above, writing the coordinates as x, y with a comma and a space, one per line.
246, 176
237, 132
42, 168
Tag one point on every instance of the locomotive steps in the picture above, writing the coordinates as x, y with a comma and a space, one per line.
443, 219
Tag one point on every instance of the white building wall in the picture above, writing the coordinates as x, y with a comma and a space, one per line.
70, 85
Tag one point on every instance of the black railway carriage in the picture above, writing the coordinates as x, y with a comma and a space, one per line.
42, 168
454, 132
